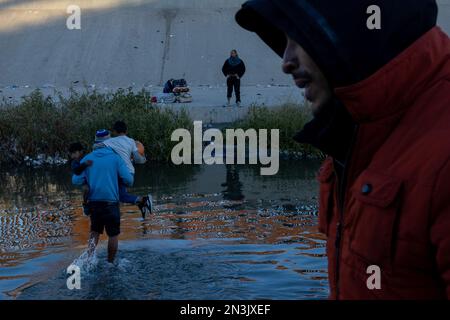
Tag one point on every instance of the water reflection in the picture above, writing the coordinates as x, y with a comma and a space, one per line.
233, 185
41, 222
28, 186
194, 270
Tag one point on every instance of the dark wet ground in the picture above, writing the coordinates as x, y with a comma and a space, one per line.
218, 233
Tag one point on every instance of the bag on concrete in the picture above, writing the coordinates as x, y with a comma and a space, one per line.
179, 83
180, 89
184, 98
165, 98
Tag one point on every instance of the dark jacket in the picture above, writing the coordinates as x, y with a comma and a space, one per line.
228, 69
78, 167
385, 189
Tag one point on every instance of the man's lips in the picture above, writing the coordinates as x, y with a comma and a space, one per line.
305, 83
302, 82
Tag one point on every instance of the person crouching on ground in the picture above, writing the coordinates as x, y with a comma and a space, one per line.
126, 148
103, 200
234, 70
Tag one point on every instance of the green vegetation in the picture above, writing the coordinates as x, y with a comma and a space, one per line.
289, 119
42, 126
46, 126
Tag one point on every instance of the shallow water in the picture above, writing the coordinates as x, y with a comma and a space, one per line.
219, 232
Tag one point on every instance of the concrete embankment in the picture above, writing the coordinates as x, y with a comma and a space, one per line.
124, 43
140, 44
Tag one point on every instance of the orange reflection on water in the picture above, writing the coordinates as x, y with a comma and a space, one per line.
27, 233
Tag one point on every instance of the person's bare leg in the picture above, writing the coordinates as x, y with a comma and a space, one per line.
113, 244
93, 242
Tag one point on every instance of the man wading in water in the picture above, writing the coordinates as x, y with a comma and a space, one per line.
381, 104
102, 178
234, 70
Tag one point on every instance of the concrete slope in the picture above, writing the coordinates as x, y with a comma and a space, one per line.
126, 42
133, 42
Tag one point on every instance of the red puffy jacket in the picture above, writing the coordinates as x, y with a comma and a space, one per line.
395, 212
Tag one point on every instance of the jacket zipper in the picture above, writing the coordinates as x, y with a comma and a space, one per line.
341, 206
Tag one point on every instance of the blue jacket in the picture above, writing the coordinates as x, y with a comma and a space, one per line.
103, 176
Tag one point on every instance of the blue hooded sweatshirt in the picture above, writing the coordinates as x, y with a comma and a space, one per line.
103, 176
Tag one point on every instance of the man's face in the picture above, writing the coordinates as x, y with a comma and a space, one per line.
115, 133
307, 75
233, 54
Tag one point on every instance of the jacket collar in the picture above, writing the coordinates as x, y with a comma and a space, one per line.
392, 89
386, 95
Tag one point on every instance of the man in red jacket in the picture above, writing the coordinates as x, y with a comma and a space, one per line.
381, 105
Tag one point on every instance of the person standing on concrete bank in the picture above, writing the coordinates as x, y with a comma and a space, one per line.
381, 105
234, 70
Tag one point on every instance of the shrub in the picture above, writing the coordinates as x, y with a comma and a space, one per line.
46, 125
289, 119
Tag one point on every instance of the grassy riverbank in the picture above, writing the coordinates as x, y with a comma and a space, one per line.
44, 127
39, 129
289, 119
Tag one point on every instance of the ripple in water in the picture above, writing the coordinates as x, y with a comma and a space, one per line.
190, 270
248, 238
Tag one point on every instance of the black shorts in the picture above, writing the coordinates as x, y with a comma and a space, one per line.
105, 215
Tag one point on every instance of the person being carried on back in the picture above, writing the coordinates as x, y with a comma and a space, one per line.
127, 149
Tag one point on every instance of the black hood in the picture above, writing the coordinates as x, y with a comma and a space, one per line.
335, 33
336, 36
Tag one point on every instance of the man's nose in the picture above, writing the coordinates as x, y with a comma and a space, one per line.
289, 63
289, 67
